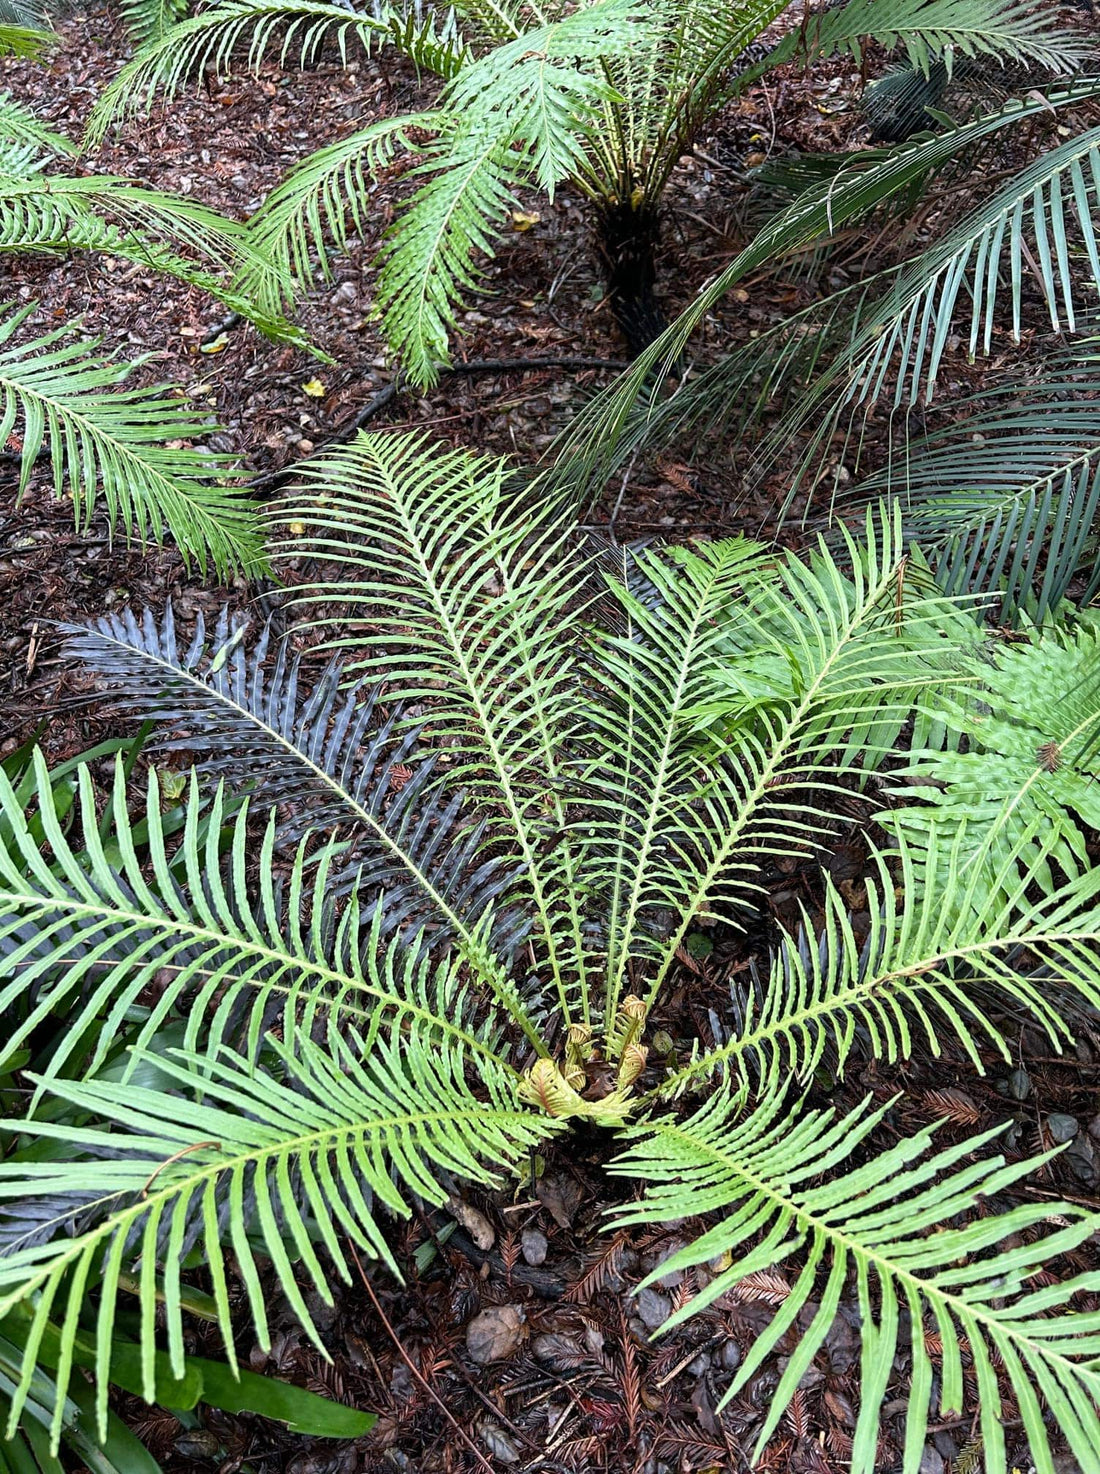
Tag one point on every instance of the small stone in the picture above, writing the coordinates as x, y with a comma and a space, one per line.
1019, 1085
305, 447
533, 1246
347, 291
730, 1356
674, 1277
701, 1365
1062, 1128
196, 1443
653, 1308
932, 1461
495, 1333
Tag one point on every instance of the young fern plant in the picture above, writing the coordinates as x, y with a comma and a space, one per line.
419, 918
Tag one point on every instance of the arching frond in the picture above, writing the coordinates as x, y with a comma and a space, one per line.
682, 827
26, 41
903, 330
92, 922
889, 1223
308, 212
109, 443
930, 30
928, 968
328, 755
1025, 789
1006, 499
242, 32
471, 599
19, 125
228, 1155
98, 212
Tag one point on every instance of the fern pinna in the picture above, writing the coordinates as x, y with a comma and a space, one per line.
411, 920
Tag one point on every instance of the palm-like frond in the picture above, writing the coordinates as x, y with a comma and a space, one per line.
245, 32
929, 967
1032, 733
24, 41
18, 125
930, 30
1006, 499
681, 829
98, 212
471, 602
890, 1222
308, 212
327, 754
92, 932
148, 20
292, 1158
109, 443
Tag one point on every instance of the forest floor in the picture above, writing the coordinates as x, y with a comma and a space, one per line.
576, 1383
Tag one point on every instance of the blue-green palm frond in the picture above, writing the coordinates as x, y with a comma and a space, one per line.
1006, 499
889, 1224
110, 444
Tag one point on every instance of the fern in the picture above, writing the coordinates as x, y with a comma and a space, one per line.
890, 1222
1029, 768
409, 924
106, 442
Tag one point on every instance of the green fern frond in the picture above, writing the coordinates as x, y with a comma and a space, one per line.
241, 31
98, 212
19, 125
24, 41
927, 967
87, 926
296, 1155
107, 442
933, 29
902, 332
681, 826
1030, 768
308, 212
890, 1224
471, 603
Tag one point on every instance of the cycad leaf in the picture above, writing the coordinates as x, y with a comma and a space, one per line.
111, 443
473, 600
323, 752
891, 1224
682, 826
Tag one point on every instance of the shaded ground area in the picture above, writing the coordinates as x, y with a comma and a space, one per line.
574, 1382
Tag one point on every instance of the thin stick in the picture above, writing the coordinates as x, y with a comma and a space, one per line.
415, 1370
